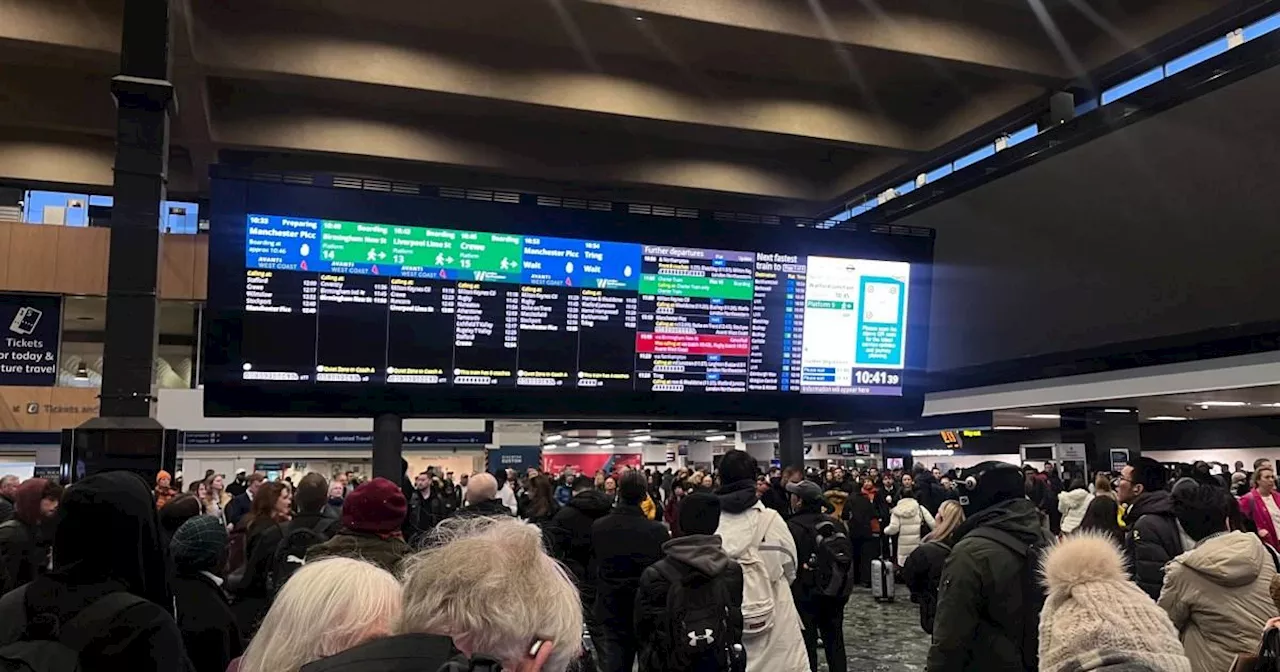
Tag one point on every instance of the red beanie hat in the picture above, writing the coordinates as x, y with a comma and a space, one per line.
376, 507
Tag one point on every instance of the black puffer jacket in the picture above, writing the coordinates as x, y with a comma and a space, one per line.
981, 606
1152, 540
568, 536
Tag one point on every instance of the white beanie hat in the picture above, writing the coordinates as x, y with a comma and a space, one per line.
1095, 618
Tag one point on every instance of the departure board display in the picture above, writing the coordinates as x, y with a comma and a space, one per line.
340, 301
413, 305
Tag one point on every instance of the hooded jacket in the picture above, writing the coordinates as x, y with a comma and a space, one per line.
907, 520
694, 558
745, 523
1218, 596
1153, 538
981, 606
568, 536
1072, 504
108, 540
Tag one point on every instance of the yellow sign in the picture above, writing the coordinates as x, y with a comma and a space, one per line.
43, 409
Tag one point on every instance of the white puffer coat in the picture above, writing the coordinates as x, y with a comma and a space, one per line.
1072, 504
905, 521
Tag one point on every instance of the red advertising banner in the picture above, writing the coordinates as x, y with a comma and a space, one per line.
590, 463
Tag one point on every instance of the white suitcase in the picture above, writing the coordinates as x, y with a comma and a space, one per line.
882, 580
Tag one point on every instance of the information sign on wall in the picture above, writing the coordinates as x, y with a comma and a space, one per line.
29, 327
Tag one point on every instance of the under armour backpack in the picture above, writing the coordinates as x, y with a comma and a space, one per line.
831, 563
61, 653
1033, 591
699, 636
291, 554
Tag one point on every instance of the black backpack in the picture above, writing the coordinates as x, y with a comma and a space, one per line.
699, 635
831, 563
1033, 592
63, 653
291, 553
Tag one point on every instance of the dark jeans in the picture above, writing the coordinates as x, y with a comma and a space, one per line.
615, 650
864, 551
824, 617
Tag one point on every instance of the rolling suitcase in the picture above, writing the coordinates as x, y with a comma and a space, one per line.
882, 580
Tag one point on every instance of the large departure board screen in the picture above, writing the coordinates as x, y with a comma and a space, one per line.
432, 310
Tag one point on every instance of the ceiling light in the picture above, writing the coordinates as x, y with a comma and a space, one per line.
717, 437
82, 372
1117, 410
1009, 428
1223, 404
635, 444
549, 445
554, 437
604, 442
1276, 405
1159, 418
572, 444
646, 437
639, 18
1044, 416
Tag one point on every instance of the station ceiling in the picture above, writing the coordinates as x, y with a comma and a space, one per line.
1216, 404
778, 105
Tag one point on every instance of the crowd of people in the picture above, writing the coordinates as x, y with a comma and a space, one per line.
732, 569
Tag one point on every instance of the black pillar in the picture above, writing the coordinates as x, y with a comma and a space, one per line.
791, 443
144, 99
388, 440
1103, 431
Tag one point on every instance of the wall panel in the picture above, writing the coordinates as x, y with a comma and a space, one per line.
82, 260
32, 258
177, 267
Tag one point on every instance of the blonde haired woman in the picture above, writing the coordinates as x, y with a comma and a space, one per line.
518, 608
326, 608
923, 568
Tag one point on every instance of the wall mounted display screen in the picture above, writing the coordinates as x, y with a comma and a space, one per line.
451, 309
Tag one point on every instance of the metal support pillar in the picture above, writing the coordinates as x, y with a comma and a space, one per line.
144, 101
791, 442
388, 443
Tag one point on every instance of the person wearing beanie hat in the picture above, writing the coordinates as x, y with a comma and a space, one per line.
989, 597
372, 519
164, 493
1096, 618
209, 628
25, 541
693, 562
820, 615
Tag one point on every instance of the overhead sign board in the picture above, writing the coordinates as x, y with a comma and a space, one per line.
336, 440
29, 329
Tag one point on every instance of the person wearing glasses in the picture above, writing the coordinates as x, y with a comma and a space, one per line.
1153, 536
